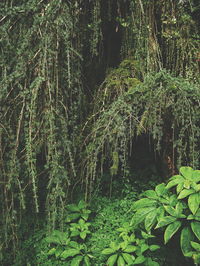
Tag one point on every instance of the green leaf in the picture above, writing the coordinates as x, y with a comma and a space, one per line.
144, 247
196, 229
193, 202
87, 260
128, 258
150, 262
77, 260
185, 192
186, 237
150, 220
130, 249
196, 176
140, 215
146, 236
175, 182
151, 194
145, 202
179, 209
74, 244
69, 253
179, 188
83, 235
160, 189
165, 221
170, 210
51, 251
154, 247
139, 260
120, 261
108, 251
195, 245
112, 259
72, 217
73, 208
82, 204
171, 230
187, 172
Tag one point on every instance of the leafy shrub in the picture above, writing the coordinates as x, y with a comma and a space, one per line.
175, 211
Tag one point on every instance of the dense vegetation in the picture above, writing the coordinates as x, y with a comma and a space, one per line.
99, 107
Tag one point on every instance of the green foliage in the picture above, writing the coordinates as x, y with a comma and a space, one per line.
77, 211
160, 208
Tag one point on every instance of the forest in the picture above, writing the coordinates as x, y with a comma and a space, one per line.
99, 132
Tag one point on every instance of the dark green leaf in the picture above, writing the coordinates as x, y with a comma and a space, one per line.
112, 259
128, 258
165, 221
77, 260
150, 220
186, 237
139, 260
71, 252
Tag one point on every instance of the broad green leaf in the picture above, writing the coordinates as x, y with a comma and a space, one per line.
51, 251
151, 194
174, 182
85, 216
139, 260
193, 202
108, 251
150, 220
154, 247
150, 262
142, 203
144, 247
172, 200
87, 261
75, 233
165, 221
179, 209
187, 172
196, 229
82, 204
120, 261
187, 184
146, 236
185, 192
72, 217
176, 177
195, 245
160, 189
71, 252
186, 237
128, 258
170, 210
83, 235
160, 212
140, 215
74, 244
179, 187
196, 176
112, 259
171, 230
58, 252
77, 260
130, 249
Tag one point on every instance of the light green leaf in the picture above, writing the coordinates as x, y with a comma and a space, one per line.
120, 261
170, 210
160, 189
142, 203
195, 245
140, 215
130, 249
154, 247
179, 209
112, 259
108, 251
196, 176
150, 220
186, 237
82, 204
71, 252
51, 251
165, 221
128, 258
87, 261
83, 235
171, 230
139, 260
187, 172
193, 202
196, 229
185, 192
179, 188
151, 194
144, 247
77, 260
174, 182
146, 236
